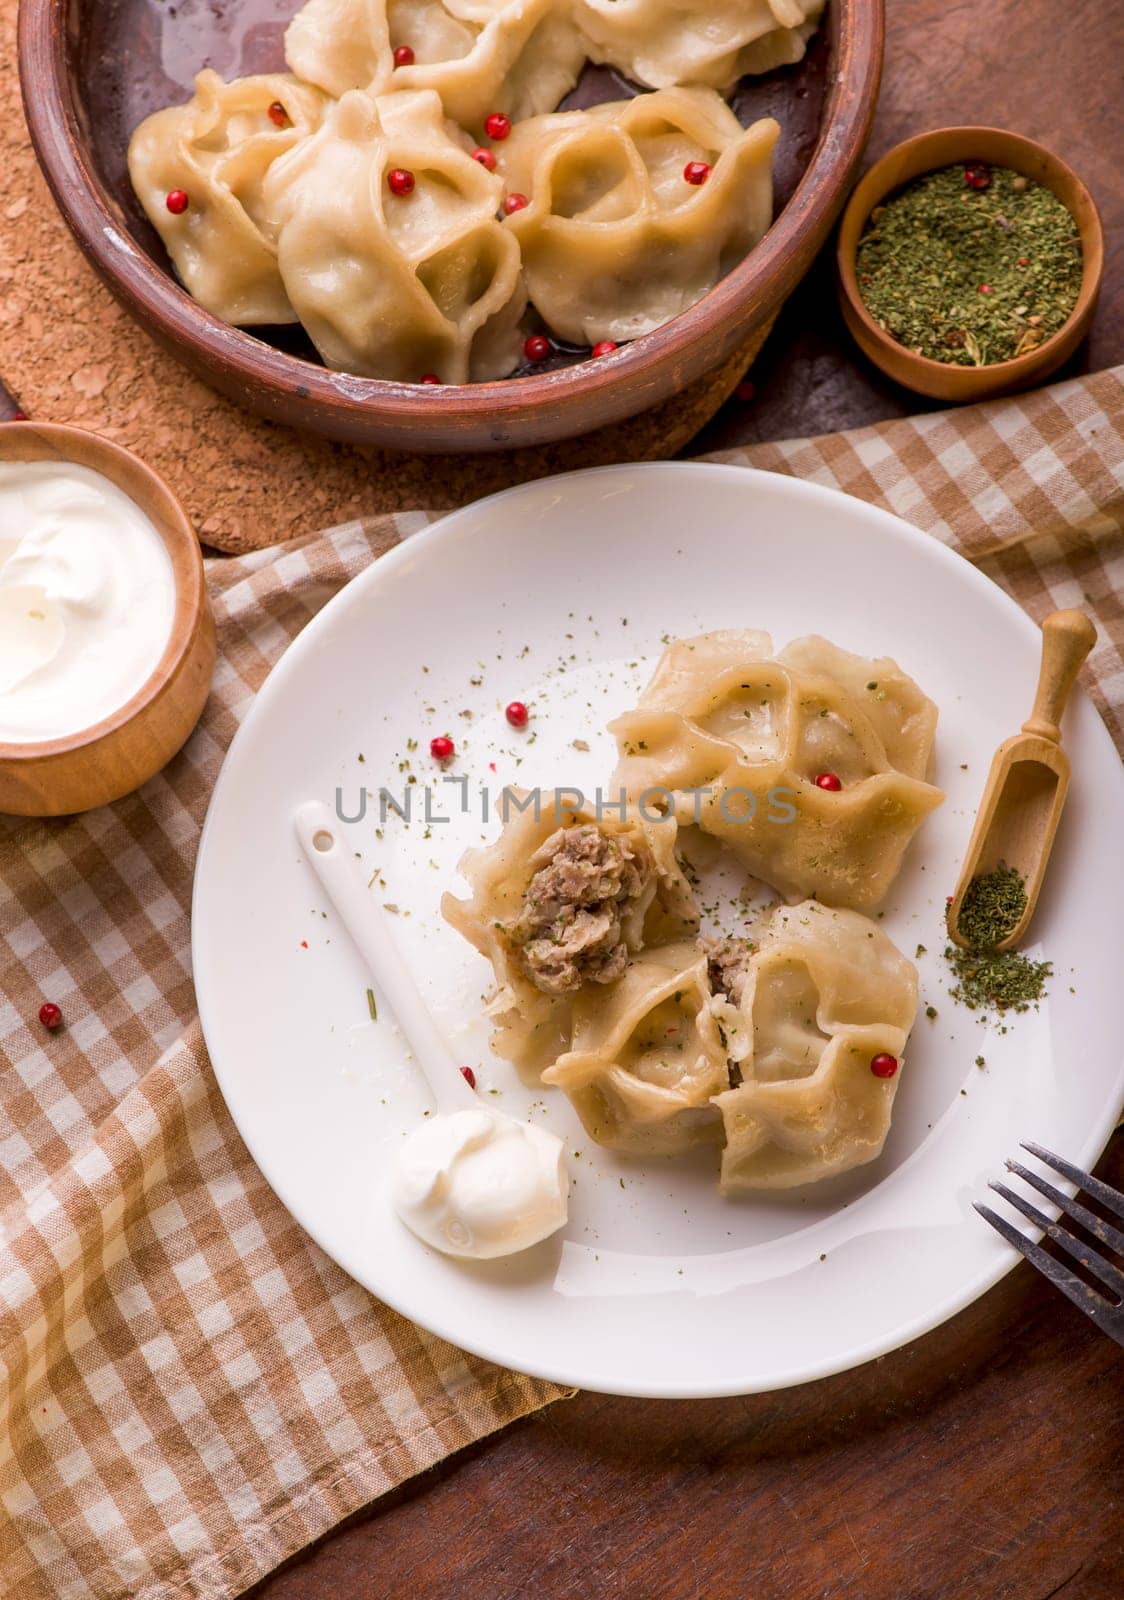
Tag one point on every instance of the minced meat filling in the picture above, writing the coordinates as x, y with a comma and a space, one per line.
569, 931
727, 963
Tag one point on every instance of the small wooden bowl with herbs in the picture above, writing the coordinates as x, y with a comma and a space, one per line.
969, 263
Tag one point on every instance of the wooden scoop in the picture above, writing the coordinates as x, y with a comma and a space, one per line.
1026, 787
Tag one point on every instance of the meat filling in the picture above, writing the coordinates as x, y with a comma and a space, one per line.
569, 931
727, 966
727, 963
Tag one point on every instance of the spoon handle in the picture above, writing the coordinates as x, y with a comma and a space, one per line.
367, 923
1067, 638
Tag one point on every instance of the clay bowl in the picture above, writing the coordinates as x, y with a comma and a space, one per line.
92, 69
947, 147
115, 756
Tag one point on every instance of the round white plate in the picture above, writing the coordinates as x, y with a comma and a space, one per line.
559, 593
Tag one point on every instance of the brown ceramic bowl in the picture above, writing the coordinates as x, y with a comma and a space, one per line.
947, 147
92, 69
115, 756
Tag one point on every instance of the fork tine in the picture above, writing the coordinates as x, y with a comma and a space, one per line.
1073, 1287
1110, 1198
1109, 1236
1089, 1259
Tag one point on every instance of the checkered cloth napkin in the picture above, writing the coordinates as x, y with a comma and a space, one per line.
190, 1391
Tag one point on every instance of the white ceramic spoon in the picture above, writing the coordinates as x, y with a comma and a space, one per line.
469, 1181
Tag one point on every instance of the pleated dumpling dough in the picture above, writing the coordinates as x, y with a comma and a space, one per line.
824, 993
219, 148
648, 1056
738, 737
559, 903
516, 56
392, 286
615, 242
660, 43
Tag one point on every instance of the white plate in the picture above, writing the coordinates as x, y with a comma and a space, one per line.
559, 593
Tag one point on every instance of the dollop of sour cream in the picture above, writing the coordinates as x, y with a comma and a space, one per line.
477, 1183
87, 598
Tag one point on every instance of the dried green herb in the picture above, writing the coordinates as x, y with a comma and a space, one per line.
992, 906
989, 981
986, 979
970, 265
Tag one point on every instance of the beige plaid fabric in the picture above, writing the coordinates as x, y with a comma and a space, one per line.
190, 1391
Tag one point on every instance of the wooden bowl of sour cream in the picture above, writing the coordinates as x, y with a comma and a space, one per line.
107, 643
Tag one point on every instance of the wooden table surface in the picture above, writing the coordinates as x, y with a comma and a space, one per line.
984, 1462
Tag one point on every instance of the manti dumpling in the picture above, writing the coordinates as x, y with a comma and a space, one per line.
217, 149
737, 738
388, 285
516, 56
648, 1056
823, 994
559, 903
660, 43
615, 241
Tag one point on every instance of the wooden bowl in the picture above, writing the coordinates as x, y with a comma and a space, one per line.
947, 147
115, 756
92, 69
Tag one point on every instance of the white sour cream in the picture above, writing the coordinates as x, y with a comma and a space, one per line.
87, 597
476, 1183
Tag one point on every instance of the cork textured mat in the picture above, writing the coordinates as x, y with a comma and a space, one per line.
70, 353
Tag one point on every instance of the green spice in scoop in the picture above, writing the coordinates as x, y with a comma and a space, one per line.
985, 979
992, 906
970, 265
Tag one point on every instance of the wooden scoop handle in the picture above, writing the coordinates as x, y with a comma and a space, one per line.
1067, 638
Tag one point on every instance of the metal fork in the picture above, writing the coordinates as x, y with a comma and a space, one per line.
1106, 1311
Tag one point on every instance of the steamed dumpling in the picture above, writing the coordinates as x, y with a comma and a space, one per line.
763, 1045
735, 737
397, 286
218, 149
822, 993
516, 56
660, 43
648, 1056
615, 241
